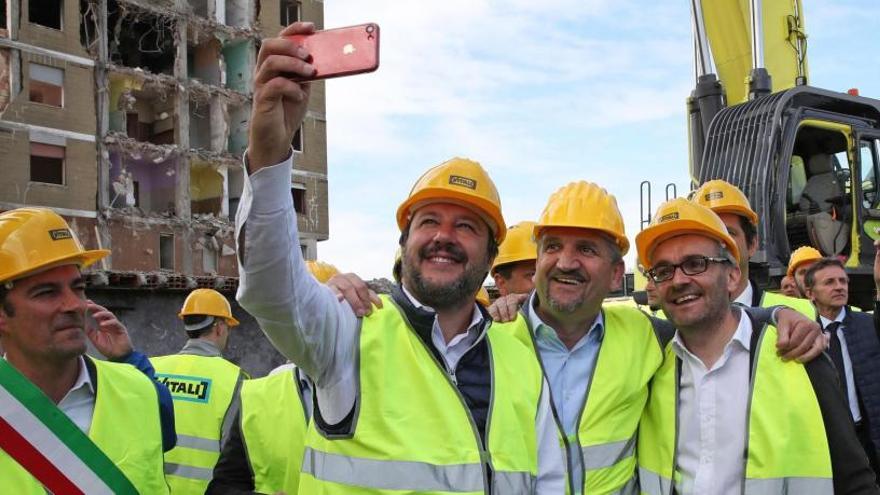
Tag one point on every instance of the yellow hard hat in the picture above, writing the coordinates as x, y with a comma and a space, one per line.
208, 302
460, 181
677, 217
519, 245
584, 205
723, 197
36, 239
801, 255
321, 271
483, 297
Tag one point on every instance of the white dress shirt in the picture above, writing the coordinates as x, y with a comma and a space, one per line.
79, 402
852, 398
745, 298
305, 322
713, 404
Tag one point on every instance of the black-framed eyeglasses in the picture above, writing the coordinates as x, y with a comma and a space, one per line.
693, 265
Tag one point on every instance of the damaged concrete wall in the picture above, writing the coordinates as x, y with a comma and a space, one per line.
155, 329
5, 81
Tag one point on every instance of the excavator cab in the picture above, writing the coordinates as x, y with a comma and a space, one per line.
808, 160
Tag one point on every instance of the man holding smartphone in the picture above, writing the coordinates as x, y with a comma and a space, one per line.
420, 395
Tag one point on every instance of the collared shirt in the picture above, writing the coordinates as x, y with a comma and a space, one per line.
201, 347
79, 402
306, 322
852, 398
746, 297
713, 404
569, 372
460, 343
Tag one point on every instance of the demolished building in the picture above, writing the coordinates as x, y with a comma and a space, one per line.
129, 118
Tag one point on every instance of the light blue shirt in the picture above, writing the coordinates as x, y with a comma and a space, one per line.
568, 372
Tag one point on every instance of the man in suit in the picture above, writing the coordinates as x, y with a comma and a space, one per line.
854, 348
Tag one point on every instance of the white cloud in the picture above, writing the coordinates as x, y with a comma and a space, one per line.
541, 93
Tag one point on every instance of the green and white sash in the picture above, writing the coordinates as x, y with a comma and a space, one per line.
48, 445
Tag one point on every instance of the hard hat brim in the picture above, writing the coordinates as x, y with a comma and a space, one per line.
434, 195
82, 259
738, 210
648, 239
622, 242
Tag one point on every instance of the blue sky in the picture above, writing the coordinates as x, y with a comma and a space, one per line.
541, 93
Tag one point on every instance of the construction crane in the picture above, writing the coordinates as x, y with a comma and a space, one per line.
807, 158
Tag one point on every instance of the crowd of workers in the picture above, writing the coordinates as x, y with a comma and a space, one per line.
715, 387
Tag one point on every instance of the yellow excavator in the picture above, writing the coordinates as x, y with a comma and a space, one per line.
807, 158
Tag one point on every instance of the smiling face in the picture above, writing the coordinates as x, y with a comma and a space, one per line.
445, 255
47, 317
694, 302
576, 269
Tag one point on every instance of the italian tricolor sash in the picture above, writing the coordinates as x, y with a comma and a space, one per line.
48, 445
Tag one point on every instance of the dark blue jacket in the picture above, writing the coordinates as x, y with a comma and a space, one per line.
864, 352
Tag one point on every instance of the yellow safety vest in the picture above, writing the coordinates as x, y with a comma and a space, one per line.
802, 306
125, 426
202, 388
273, 427
787, 449
413, 432
628, 357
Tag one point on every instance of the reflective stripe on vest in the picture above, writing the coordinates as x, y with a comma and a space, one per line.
203, 388
654, 484
617, 391
608, 454
799, 486
802, 306
273, 429
393, 475
195, 473
783, 416
413, 431
125, 397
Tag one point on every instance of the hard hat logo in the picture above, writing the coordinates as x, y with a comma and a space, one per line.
457, 180
714, 195
60, 234
669, 217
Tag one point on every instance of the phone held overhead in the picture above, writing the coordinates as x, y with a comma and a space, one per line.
339, 52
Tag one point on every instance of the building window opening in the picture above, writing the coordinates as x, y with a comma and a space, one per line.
291, 11
46, 85
46, 13
298, 191
47, 163
166, 252
297, 141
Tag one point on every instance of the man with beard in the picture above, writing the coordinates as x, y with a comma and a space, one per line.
726, 415
597, 358
70, 423
854, 347
418, 396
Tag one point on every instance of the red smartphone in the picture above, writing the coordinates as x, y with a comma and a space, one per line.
341, 51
